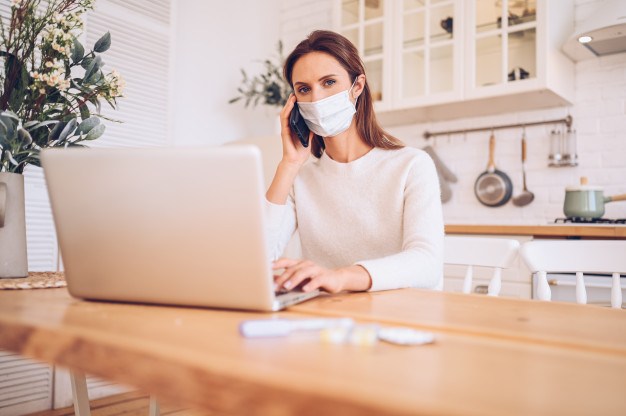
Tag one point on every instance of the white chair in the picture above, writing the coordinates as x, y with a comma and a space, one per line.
495, 253
579, 256
80, 394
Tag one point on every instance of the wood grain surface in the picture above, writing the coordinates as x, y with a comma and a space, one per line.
197, 357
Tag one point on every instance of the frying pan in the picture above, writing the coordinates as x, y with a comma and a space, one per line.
493, 187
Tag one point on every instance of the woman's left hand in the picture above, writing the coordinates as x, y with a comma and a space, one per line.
297, 271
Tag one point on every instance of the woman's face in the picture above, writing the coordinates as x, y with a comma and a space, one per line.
318, 75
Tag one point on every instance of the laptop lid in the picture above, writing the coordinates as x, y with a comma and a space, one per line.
180, 226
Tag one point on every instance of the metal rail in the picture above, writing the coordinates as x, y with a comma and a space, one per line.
567, 121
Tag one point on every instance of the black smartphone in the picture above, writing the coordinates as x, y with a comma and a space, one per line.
298, 125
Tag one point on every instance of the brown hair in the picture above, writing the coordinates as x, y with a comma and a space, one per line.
347, 55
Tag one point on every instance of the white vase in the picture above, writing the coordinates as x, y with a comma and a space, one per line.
13, 257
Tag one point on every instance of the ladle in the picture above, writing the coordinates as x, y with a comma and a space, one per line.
526, 197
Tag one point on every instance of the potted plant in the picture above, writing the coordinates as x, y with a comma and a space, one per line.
51, 90
267, 88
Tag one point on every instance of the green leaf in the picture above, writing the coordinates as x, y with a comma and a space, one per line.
84, 111
24, 137
96, 132
78, 51
88, 124
42, 124
10, 114
87, 61
54, 133
3, 129
103, 43
67, 130
9, 126
93, 67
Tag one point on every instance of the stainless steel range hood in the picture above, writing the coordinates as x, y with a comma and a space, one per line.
602, 33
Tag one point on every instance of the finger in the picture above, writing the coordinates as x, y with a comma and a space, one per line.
284, 262
284, 114
300, 275
316, 282
289, 272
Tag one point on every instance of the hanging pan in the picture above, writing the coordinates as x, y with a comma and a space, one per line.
493, 187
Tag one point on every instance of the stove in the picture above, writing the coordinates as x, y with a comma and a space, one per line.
580, 220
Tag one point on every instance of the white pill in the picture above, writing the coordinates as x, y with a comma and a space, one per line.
405, 336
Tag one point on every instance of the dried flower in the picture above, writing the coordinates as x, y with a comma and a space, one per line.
44, 101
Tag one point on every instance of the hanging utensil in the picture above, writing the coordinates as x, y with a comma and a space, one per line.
493, 187
526, 197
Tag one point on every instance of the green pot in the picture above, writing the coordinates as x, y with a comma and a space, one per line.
586, 201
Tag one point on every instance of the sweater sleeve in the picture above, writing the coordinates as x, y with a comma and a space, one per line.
281, 224
420, 263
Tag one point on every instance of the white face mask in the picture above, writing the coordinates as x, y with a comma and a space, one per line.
330, 116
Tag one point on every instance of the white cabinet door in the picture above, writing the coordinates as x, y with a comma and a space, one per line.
514, 46
367, 24
427, 45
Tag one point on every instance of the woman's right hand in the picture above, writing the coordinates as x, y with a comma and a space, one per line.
293, 151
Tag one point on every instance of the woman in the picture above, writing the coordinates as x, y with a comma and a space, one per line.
367, 208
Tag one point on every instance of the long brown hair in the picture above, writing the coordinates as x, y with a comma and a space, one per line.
347, 55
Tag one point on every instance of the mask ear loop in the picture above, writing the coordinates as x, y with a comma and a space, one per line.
356, 99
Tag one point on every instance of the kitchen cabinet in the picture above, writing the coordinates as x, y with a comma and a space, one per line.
368, 26
444, 59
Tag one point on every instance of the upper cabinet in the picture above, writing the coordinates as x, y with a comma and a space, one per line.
443, 59
368, 26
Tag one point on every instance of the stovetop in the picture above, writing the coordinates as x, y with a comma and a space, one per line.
579, 220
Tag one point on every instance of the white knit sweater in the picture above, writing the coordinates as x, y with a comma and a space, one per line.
381, 211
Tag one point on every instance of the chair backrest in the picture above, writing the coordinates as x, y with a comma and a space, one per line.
576, 256
497, 253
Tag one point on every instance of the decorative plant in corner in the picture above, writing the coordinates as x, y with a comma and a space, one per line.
269, 87
49, 82
50, 95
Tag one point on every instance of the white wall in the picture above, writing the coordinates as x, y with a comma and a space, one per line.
213, 41
599, 115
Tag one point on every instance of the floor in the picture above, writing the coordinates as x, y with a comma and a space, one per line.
127, 404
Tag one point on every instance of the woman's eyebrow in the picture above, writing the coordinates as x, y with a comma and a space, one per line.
321, 79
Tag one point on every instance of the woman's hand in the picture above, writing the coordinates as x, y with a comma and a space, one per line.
293, 151
295, 272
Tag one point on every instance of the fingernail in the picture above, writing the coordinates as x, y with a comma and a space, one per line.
287, 285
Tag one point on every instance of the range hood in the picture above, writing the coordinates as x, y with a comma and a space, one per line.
602, 33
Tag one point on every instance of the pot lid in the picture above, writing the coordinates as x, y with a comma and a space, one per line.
584, 186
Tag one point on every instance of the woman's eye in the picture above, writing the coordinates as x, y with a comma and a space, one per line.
303, 90
329, 82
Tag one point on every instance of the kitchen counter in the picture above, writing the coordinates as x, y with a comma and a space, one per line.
610, 231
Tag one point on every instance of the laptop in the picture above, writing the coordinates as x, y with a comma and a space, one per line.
176, 226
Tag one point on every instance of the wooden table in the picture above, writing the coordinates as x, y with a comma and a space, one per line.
197, 357
559, 324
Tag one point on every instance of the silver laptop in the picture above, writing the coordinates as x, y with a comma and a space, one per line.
180, 226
